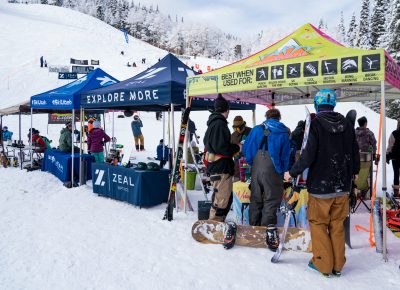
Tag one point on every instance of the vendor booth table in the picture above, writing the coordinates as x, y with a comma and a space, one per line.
59, 163
138, 187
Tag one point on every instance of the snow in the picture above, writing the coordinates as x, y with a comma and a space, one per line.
57, 238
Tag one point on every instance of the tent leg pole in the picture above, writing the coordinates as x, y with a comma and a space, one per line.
163, 135
173, 133
254, 117
113, 130
169, 137
104, 126
384, 185
80, 146
72, 150
30, 139
19, 141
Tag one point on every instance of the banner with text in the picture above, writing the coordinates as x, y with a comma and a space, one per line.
79, 61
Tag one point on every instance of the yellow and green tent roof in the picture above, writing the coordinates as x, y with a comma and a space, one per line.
296, 67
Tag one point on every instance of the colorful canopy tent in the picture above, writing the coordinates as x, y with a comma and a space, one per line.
154, 89
67, 98
292, 70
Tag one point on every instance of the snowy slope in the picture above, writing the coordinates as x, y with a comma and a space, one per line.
55, 238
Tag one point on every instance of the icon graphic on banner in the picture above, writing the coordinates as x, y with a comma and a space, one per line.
310, 69
262, 73
277, 72
105, 81
99, 179
371, 62
350, 64
329, 67
293, 70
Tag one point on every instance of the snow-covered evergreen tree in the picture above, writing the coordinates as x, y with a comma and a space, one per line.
341, 30
364, 27
394, 31
377, 24
352, 31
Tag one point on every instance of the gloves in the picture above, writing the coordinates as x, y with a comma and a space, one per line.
377, 158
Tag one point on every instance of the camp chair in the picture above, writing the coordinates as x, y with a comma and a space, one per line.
363, 184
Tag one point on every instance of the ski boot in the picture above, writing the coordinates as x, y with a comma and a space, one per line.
230, 235
312, 266
272, 238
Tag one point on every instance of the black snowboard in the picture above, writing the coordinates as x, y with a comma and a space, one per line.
351, 116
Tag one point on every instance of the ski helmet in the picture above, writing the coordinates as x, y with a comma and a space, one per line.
152, 166
325, 97
141, 166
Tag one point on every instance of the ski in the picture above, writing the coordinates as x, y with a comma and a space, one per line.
288, 211
175, 177
350, 116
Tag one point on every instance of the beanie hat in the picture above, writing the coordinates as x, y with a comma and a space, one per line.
238, 122
96, 124
5, 128
220, 104
68, 124
362, 121
136, 117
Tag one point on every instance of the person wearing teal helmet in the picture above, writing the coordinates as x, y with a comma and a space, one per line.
331, 154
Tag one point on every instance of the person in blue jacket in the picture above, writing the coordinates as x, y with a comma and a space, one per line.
267, 149
7, 135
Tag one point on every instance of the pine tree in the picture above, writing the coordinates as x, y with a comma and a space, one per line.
364, 31
377, 24
394, 32
342, 29
100, 12
44, 2
321, 24
352, 31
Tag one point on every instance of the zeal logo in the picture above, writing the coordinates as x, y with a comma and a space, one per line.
151, 73
99, 180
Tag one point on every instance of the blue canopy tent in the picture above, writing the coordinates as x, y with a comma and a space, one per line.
67, 98
155, 89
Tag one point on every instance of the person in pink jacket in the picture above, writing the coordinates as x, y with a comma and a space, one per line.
96, 140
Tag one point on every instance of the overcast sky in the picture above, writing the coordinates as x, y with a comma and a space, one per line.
241, 17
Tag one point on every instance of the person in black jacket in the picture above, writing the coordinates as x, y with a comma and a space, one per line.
393, 153
331, 154
219, 155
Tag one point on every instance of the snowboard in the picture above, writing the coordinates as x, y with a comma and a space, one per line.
350, 116
212, 232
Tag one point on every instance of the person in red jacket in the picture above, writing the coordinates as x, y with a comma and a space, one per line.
96, 140
37, 142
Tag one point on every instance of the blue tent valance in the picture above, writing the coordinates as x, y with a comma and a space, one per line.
68, 97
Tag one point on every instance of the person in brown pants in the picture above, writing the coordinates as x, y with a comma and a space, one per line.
331, 154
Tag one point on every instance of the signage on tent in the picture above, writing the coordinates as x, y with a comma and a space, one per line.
329, 67
61, 102
293, 70
262, 73
238, 78
99, 179
277, 72
39, 102
105, 81
371, 62
310, 69
349, 65
119, 97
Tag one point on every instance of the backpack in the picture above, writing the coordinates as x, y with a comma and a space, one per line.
46, 141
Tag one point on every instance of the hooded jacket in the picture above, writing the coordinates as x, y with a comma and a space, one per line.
217, 140
298, 135
7, 135
96, 139
331, 154
136, 125
65, 141
366, 140
278, 144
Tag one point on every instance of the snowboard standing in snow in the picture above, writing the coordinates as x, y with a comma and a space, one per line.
351, 116
288, 209
212, 232
175, 173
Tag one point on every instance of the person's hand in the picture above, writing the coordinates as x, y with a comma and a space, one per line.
355, 177
377, 158
240, 146
287, 176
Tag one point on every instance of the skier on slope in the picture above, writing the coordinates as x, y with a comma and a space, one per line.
267, 149
219, 154
331, 154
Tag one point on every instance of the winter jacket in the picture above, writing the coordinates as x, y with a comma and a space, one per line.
366, 140
136, 125
38, 141
331, 154
7, 135
217, 140
65, 141
393, 150
298, 135
238, 137
277, 140
96, 140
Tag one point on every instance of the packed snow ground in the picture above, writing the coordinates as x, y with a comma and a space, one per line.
57, 238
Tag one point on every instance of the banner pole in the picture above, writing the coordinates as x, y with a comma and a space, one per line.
384, 185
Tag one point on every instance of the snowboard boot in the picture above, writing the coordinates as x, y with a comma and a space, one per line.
312, 266
230, 235
336, 273
141, 147
272, 238
137, 147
